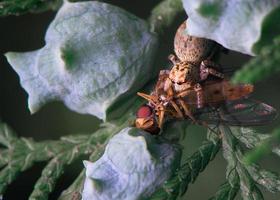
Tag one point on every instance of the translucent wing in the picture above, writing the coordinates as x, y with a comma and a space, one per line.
243, 112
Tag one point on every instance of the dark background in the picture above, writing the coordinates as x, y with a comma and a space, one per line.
26, 33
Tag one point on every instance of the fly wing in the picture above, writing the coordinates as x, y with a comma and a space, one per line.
243, 112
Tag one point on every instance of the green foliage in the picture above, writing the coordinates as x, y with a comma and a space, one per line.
264, 147
20, 154
270, 29
261, 67
268, 179
251, 138
237, 173
241, 176
227, 191
17, 7
164, 14
189, 171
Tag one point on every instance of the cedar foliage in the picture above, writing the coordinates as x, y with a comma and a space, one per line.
18, 154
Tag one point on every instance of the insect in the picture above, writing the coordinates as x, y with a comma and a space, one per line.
224, 103
151, 116
196, 89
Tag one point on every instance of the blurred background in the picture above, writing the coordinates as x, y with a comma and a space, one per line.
26, 33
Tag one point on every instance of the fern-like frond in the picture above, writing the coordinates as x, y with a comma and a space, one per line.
261, 144
267, 179
227, 191
236, 169
74, 191
17, 7
261, 67
20, 154
188, 172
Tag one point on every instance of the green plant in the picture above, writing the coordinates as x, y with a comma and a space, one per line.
64, 54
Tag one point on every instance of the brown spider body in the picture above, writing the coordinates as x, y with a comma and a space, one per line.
192, 64
192, 49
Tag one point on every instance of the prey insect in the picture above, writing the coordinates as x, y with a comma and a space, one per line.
202, 108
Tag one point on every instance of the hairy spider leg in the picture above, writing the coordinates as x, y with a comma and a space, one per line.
205, 71
199, 95
186, 109
173, 59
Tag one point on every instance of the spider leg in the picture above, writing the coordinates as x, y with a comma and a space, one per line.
187, 110
168, 88
199, 95
205, 71
173, 59
189, 114
179, 112
183, 93
205, 124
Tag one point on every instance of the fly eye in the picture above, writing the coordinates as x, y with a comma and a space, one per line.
144, 112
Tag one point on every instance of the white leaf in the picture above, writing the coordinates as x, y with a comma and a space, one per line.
132, 167
236, 24
95, 55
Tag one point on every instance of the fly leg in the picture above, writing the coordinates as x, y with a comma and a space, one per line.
205, 71
160, 113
